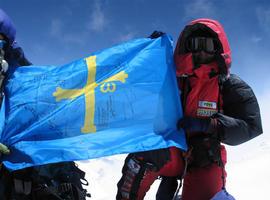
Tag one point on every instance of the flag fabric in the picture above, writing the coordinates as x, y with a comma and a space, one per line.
120, 100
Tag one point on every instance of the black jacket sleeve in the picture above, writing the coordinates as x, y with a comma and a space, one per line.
241, 120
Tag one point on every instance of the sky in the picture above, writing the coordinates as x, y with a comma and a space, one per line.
56, 32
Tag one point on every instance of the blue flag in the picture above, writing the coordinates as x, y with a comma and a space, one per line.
120, 100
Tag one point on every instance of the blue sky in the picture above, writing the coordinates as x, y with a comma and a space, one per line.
59, 31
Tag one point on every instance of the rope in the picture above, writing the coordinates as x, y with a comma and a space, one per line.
185, 89
184, 173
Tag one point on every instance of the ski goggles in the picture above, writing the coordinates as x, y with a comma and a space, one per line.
207, 44
2, 44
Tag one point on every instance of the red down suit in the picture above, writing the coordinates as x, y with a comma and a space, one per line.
208, 90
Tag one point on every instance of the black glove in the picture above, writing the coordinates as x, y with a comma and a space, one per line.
191, 124
156, 34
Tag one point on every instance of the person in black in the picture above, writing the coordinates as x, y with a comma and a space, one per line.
59, 181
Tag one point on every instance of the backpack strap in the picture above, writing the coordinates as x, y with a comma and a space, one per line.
61, 192
22, 187
221, 80
59, 181
44, 192
184, 85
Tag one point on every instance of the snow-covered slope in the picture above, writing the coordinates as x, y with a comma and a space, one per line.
103, 175
248, 167
248, 174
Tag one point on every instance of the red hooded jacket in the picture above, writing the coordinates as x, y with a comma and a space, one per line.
214, 92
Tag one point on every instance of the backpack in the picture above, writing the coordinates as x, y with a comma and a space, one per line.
58, 181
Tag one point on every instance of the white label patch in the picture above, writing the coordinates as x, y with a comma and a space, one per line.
205, 112
207, 104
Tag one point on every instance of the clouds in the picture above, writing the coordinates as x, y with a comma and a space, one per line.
265, 109
58, 30
263, 16
126, 37
97, 20
75, 27
199, 8
256, 39
56, 27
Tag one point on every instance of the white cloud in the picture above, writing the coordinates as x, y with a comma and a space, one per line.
57, 30
199, 8
263, 100
126, 37
256, 39
263, 16
97, 20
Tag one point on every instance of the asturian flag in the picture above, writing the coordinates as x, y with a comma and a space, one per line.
120, 100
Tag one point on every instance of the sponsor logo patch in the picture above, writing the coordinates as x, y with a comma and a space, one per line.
207, 104
206, 112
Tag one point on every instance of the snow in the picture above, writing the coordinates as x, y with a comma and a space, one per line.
248, 167
248, 175
103, 175
249, 178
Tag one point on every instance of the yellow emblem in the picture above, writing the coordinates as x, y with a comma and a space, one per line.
88, 91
